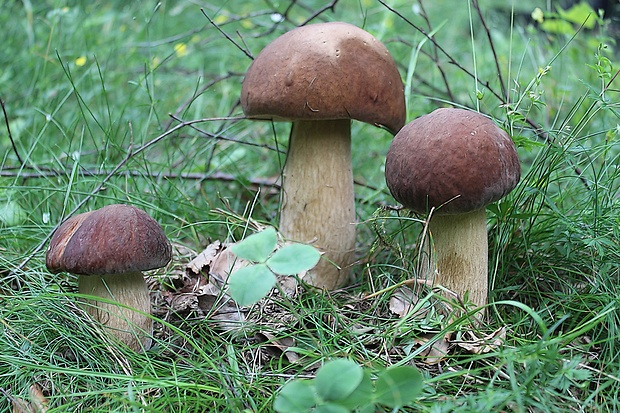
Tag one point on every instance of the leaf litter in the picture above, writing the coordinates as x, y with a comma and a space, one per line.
196, 288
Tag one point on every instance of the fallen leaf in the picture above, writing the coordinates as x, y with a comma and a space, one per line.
278, 346
404, 300
476, 345
435, 352
38, 402
204, 258
225, 263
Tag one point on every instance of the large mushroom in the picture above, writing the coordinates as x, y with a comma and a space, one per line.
320, 77
457, 162
108, 249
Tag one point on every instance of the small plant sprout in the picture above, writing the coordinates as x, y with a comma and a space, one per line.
249, 284
343, 386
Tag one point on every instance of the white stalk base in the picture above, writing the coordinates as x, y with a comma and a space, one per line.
459, 258
131, 327
318, 204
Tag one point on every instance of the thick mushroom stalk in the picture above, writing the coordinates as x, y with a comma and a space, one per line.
108, 249
318, 204
454, 162
459, 254
320, 76
125, 309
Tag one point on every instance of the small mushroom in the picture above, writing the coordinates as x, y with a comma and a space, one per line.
108, 249
321, 76
457, 162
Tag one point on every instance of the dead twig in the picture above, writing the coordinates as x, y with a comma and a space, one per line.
195, 176
230, 39
8, 128
199, 92
320, 11
492, 45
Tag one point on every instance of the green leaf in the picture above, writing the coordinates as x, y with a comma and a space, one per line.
249, 284
331, 408
580, 13
293, 259
369, 408
557, 26
398, 386
337, 379
297, 396
362, 395
256, 247
11, 214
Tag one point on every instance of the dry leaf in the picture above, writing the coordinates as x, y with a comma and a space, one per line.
482, 345
404, 300
225, 263
437, 351
204, 259
278, 346
38, 403
197, 291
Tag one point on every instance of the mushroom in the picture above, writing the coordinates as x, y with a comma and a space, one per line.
321, 76
108, 249
454, 162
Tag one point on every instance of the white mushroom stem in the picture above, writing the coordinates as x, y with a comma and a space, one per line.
460, 249
318, 204
126, 320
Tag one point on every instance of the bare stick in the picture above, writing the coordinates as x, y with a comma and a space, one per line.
203, 89
245, 51
492, 44
219, 137
216, 176
323, 9
435, 56
8, 128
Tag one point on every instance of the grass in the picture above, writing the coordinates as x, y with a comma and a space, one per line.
89, 90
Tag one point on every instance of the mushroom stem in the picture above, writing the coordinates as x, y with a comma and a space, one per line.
461, 254
125, 320
318, 203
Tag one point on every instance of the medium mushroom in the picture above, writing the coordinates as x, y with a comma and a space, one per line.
457, 162
321, 76
108, 249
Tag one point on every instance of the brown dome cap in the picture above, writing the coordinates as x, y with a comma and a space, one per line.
325, 71
451, 158
115, 239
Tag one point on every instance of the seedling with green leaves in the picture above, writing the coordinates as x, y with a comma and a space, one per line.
249, 284
343, 386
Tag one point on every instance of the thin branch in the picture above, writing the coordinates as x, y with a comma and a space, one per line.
451, 59
230, 39
219, 137
492, 44
8, 128
320, 11
435, 57
203, 89
539, 131
195, 176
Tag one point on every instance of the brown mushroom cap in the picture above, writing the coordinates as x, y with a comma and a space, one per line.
115, 239
325, 71
451, 158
